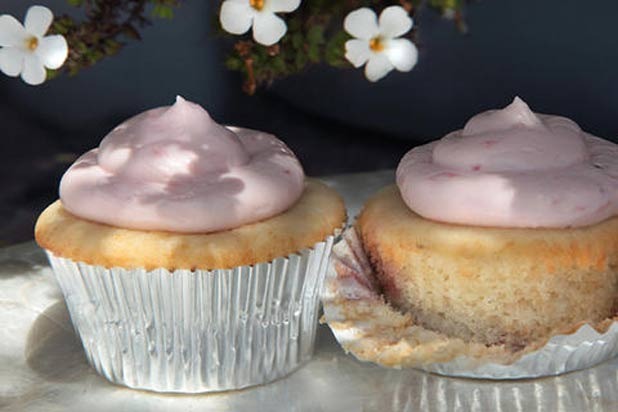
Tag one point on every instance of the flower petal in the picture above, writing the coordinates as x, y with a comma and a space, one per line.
53, 51
357, 52
394, 22
236, 17
38, 19
268, 28
281, 6
362, 23
402, 53
11, 61
12, 33
377, 67
34, 72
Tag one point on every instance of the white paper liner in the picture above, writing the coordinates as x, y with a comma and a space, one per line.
350, 289
196, 331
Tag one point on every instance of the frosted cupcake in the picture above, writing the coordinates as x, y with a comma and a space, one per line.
496, 238
191, 255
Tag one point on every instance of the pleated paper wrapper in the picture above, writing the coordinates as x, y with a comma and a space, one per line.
368, 327
196, 331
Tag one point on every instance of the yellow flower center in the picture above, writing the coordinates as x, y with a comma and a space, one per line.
376, 44
257, 4
32, 43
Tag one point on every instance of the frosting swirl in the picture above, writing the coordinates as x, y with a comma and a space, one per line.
175, 169
513, 168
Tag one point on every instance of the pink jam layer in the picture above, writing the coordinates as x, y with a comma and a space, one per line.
175, 169
513, 168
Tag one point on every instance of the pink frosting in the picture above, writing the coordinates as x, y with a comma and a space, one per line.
175, 169
513, 168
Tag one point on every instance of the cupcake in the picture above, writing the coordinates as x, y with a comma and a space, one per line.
191, 255
496, 238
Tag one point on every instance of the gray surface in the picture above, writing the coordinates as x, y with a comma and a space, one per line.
43, 368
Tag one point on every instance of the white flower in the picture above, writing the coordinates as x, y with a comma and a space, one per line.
25, 51
376, 42
237, 17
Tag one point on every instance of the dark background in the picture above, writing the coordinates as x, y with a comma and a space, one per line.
560, 56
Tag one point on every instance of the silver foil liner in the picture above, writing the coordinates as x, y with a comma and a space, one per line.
196, 331
561, 354
350, 289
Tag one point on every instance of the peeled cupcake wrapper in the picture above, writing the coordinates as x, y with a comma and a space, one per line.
372, 330
196, 331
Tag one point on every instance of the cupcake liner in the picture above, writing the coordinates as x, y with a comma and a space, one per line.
368, 327
196, 331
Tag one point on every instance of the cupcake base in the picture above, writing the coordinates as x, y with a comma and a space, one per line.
512, 286
196, 331
372, 330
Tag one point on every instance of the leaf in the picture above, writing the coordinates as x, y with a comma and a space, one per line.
335, 50
315, 36
163, 11
51, 74
233, 63
300, 61
278, 64
294, 24
313, 53
297, 40
131, 32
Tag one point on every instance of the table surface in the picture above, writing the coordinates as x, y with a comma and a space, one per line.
43, 368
